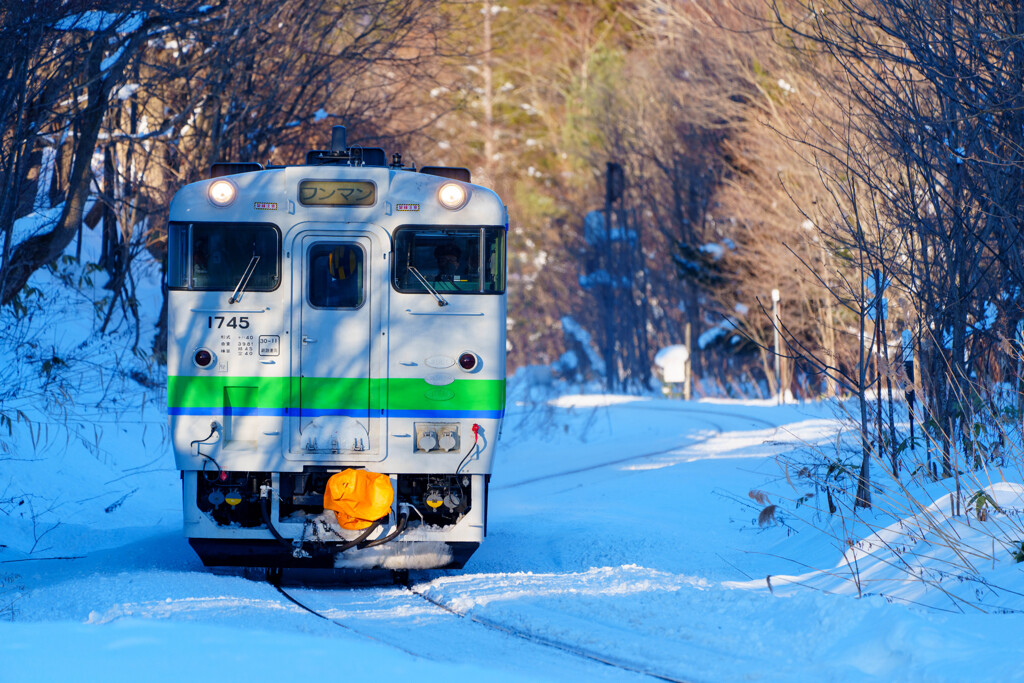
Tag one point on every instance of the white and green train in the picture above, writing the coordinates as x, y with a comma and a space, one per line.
343, 315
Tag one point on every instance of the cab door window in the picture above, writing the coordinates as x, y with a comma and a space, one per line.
335, 275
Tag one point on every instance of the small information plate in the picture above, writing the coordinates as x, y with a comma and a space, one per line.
270, 345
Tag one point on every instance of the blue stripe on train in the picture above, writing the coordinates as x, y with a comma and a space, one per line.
471, 414
295, 412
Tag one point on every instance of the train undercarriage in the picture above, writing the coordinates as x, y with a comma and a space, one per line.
278, 519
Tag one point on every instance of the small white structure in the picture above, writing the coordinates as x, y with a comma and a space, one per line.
672, 365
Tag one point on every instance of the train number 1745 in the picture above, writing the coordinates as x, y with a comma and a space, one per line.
241, 323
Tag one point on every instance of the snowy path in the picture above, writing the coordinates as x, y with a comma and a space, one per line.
620, 532
157, 578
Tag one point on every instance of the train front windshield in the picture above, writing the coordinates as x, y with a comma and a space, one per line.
215, 256
456, 260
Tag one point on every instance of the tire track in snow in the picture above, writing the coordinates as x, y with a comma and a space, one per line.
688, 409
651, 454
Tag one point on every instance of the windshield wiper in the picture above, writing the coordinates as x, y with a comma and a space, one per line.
441, 301
240, 287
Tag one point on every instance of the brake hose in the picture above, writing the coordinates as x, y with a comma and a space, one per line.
358, 539
213, 430
399, 528
475, 446
264, 509
298, 548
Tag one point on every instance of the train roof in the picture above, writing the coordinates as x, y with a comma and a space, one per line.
340, 154
400, 195
359, 157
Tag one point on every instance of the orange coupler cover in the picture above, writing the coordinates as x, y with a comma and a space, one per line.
358, 497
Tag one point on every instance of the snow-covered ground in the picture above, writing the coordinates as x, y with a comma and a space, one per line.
623, 544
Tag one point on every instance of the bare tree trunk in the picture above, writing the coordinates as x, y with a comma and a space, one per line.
42, 249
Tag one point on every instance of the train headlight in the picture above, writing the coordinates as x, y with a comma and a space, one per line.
221, 192
452, 196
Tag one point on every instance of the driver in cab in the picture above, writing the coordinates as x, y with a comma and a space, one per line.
447, 278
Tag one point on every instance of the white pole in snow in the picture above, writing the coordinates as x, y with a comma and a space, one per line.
689, 366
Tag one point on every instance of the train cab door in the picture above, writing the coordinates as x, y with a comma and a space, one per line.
335, 391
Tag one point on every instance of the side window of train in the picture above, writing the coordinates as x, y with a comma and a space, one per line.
215, 256
335, 275
450, 260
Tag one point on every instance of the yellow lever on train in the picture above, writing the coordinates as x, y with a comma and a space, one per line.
358, 497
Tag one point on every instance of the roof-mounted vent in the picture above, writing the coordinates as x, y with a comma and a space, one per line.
223, 168
449, 172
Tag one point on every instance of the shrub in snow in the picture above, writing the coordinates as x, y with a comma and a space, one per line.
940, 541
9, 589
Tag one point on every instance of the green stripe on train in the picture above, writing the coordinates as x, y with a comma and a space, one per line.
200, 392
323, 393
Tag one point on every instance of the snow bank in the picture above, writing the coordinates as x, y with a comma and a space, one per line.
932, 558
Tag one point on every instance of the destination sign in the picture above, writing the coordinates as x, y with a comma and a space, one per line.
337, 193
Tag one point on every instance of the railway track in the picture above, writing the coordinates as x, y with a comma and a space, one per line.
445, 611
303, 597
